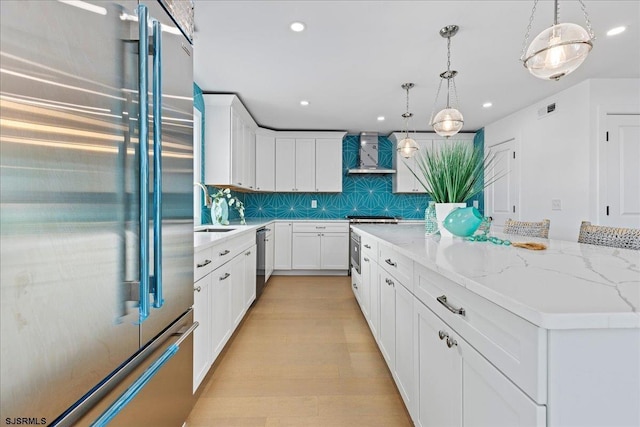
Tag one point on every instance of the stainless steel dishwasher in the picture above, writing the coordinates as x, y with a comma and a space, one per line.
261, 235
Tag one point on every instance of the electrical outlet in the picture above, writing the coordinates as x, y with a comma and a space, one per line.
314, 204
475, 204
556, 205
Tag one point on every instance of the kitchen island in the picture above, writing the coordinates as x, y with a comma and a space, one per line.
483, 334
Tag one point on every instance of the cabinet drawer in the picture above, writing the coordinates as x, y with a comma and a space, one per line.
396, 264
202, 263
227, 250
320, 227
513, 345
369, 248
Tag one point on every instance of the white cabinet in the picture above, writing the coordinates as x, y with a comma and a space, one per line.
387, 336
403, 181
224, 288
329, 165
404, 346
308, 161
220, 308
249, 277
306, 248
202, 348
282, 253
265, 161
269, 252
229, 142
457, 386
320, 246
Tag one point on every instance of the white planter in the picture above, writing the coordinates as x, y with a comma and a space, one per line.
442, 210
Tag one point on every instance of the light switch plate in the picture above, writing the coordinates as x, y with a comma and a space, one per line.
556, 205
314, 204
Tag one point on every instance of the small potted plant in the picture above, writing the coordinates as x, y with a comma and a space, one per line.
452, 174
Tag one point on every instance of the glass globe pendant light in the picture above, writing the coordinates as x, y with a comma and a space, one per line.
448, 121
407, 146
558, 50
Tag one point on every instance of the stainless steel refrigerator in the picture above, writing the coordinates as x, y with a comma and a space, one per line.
96, 217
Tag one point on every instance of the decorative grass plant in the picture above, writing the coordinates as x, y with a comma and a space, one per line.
455, 172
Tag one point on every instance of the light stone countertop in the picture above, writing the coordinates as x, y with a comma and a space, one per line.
567, 286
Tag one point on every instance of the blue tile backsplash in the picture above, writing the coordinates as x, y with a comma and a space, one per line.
361, 194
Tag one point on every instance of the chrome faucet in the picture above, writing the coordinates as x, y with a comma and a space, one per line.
207, 198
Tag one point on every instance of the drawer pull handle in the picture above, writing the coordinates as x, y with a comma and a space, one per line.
443, 300
320, 228
366, 259
451, 342
198, 289
206, 262
225, 252
247, 253
355, 286
443, 334
391, 263
390, 282
225, 276
367, 246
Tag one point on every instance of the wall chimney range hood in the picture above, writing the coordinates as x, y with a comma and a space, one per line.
368, 158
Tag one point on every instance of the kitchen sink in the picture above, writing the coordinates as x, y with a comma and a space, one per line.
214, 230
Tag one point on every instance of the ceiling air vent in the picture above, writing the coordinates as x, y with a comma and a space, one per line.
546, 111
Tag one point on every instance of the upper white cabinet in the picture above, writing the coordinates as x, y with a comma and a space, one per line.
308, 161
265, 160
230, 143
403, 180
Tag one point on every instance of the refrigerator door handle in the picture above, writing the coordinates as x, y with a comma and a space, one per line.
143, 146
158, 301
135, 388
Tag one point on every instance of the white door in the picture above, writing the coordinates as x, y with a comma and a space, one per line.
236, 282
622, 172
501, 198
269, 252
387, 340
237, 149
220, 308
285, 164
405, 346
329, 165
306, 165
249, 277
249, 157
335, 251
374, 294
265, 163
438, 371
282, 252
305, 253
202, 348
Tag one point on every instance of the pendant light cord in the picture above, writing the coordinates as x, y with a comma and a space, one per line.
526, 36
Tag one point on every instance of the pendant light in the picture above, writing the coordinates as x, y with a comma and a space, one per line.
407, 146
560, 49
448, 121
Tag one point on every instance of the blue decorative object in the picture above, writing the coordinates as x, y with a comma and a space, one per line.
220, 212
463, 222
430, 220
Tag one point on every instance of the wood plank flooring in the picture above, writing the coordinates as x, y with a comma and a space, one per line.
304, 356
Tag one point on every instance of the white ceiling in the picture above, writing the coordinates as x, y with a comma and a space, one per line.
354, 55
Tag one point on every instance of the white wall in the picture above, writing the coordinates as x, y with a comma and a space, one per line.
558, 155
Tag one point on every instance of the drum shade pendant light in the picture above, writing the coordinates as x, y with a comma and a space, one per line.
560, 49
448, 121
407, 146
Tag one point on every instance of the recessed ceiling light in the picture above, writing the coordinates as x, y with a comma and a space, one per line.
487, 104
615, 31
297, 26
380, 118
304, 103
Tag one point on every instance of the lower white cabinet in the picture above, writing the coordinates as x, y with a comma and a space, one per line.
269, 252
221, 300
320, 246
202, 348
282, 252
457, 386
387, 336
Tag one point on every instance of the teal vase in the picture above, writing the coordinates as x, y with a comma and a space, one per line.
220, 212
463, 222
430, 220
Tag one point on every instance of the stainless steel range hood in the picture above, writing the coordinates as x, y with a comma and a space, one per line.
368, 159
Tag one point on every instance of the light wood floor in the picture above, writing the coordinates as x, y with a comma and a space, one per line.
303, 357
